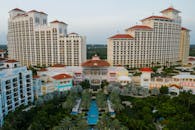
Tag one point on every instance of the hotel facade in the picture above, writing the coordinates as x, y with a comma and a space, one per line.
159, 40
16, 87
32, 41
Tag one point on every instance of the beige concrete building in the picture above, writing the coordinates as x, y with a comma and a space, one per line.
32, 41
155, 42
184, 45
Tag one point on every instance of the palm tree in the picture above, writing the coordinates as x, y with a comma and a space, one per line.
101, 100
39, 101
104, 123
117, 106
86, 99
155, 91
82, 124
65, 124
115, 125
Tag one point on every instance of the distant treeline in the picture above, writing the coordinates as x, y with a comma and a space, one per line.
100, 50
192, 50
4, 47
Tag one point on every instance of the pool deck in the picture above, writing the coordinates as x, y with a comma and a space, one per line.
75, 109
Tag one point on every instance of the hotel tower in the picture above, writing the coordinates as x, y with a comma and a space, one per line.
159, 40
32, 41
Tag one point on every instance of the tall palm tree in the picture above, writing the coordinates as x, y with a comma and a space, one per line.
101, 100
115, 125
82, 124
104, 123
86, 99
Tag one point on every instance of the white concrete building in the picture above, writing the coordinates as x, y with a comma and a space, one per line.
155, 42
32, 41
16, 87
61, 78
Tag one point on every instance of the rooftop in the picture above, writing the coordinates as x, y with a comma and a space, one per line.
140, 27
58, 65
43, 69
156, 17
121, 36
183, 28
2, 50
17, 9
170, 9
96, 62
56, 21
62, 76
36, 77
35, 11
146, 69
11, 61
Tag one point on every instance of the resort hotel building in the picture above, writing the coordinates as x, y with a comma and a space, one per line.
182, 81
61, 78
16, 87
159, 40
32, 41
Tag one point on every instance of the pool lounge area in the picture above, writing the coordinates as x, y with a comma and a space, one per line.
93, 114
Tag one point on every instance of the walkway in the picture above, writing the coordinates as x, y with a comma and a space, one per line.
75, 109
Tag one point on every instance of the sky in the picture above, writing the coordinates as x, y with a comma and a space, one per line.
99, 19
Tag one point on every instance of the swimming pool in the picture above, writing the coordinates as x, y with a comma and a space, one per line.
93, 114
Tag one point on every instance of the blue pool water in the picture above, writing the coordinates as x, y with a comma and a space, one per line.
93, 114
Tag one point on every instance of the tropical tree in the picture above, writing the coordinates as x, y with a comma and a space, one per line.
86, 99
155, 91
115, 125
101, 100
125, 91
85, 84
104, 123
116, 101
164, 90
82, 124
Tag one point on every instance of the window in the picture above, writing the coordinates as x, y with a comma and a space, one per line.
44, 21
60, 30
36, 20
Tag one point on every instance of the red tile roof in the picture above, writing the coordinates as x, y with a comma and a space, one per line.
17, 9
43, 69
62, 76
56, 21
73, 33
191, 59
170, 9
2, 50
156, 17
112, 72
146, 69
185, 29
58, 65
121, 36
77, 73
95, 62
174, 85
36, 76
11, 61
35, 11
141, 27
